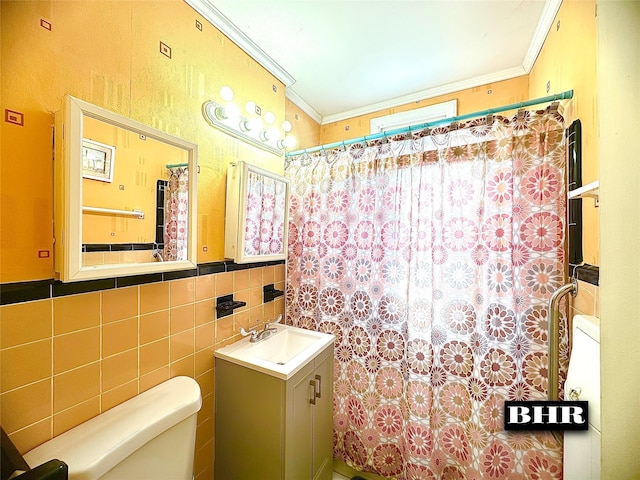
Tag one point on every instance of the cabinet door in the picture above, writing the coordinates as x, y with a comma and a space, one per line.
323, 420
299, 435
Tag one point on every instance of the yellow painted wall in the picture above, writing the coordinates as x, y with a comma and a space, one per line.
568, 61
108, 53
618, 125
468, 101
304, 129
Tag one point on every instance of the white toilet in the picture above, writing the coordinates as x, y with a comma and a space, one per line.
151, 436
582, 448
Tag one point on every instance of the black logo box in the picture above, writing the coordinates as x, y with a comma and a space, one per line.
538, 415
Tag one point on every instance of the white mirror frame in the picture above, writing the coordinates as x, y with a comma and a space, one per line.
236, 219
68, 209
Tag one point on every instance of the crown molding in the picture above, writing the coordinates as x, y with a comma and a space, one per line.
429, 93
222, 23
548, 15
304, 106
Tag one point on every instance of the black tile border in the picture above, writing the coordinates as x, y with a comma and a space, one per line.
178, 274
25, 291
61, 289
122, 282
20, 292
209, 268
587, 273
117, 247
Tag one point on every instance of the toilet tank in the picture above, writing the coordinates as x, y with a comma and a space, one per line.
151, 436
582, 448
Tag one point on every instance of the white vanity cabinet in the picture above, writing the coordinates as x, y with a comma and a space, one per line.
268, 428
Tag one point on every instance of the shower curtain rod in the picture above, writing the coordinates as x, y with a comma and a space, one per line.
374, 136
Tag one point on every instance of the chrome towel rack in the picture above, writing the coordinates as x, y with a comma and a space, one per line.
111, 211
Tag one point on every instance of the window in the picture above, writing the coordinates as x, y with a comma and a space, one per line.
414, 117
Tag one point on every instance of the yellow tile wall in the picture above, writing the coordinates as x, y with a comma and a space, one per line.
587, 300
67, 359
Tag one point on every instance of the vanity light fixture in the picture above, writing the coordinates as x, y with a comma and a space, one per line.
249, 125
250, 107
269, 134
269, 118
287, 142
229, 112
226, 93
250, 130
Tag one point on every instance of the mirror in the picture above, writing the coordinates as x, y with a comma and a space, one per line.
256, 223
125, 197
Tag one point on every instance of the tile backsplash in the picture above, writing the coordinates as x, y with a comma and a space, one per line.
66, 359
586, 301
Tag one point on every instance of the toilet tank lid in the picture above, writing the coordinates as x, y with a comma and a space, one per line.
588, 324
96, 446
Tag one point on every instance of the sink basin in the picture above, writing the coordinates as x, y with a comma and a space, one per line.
280, 355
283, 346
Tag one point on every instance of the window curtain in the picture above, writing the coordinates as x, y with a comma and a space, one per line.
432, 259
176, 215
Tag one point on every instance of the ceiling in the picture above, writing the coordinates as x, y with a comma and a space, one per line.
342, 58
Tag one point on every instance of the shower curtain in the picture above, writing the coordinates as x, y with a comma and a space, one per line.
432, 259
176, 215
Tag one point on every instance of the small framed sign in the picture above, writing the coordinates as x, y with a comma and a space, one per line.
97, 160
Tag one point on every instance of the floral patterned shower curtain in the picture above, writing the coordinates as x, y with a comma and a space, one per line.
432, 260
176, 218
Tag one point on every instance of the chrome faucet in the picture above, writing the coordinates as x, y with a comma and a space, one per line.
266, 332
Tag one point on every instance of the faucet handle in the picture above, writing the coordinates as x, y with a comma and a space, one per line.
251, 332
273, 322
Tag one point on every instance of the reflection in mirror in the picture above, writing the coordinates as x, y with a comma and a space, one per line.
257, 210
128, 206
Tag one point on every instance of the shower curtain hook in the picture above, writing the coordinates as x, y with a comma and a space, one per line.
409, 134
